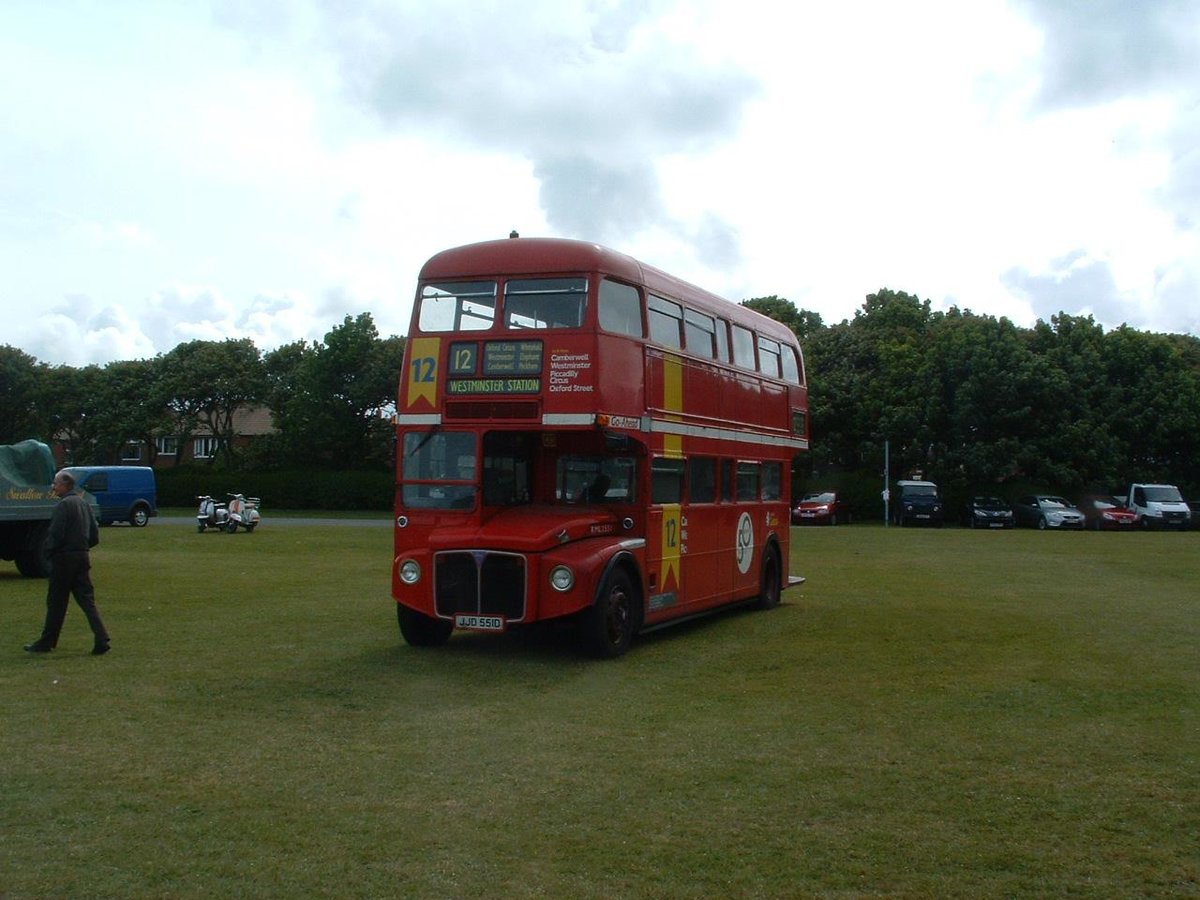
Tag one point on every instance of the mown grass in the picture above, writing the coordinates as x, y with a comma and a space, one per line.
935, 713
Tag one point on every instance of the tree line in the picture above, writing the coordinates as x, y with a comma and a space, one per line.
330, 400
971, 401
983, 406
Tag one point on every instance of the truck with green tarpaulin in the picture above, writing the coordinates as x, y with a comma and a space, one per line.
26, 501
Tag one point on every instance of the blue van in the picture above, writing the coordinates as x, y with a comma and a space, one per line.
123, 493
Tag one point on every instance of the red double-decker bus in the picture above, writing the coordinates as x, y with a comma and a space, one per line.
580, 434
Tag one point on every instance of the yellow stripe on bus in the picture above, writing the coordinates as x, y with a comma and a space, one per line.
672, 383
673, 403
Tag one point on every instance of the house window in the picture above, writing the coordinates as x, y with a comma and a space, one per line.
166, 446
204, 448
131, 452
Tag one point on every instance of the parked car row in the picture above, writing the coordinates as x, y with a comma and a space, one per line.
915, 502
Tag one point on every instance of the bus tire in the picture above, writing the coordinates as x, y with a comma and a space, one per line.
419, 630
772, 580
608, 624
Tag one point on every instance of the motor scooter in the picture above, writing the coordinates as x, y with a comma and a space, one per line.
211, 514
243, 511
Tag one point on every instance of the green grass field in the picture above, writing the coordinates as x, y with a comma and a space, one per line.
934, 714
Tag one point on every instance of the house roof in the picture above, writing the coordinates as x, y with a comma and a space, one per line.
248, 421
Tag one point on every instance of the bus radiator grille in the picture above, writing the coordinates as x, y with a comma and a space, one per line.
480, 582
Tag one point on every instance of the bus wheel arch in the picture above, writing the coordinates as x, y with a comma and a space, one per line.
607, 626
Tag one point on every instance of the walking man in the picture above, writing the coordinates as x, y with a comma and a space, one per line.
72, 533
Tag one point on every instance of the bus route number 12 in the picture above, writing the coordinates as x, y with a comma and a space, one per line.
424, 370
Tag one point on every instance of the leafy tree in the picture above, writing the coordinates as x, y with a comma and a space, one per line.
72, 413
1154, 403
132, 406
19, 413
802, 322
985, 374
872, 381
333, 400
972, 401
205, 382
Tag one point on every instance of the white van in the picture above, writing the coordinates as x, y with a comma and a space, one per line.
1158, 506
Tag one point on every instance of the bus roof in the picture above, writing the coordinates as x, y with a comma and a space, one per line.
549, 256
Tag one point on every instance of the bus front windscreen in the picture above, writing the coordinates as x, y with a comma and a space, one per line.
457, 306
437, 470
545, 303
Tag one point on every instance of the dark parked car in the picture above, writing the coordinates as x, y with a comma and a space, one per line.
988, 512
823, 508
917, 503
1047, 511
1108, 513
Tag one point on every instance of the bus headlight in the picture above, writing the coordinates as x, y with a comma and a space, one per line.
410, 571
562, 578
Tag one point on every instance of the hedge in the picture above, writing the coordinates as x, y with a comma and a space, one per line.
293, 489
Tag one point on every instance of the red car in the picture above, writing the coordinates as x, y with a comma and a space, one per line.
1108, 513
823, 508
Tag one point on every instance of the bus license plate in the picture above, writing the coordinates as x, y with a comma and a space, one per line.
479, 623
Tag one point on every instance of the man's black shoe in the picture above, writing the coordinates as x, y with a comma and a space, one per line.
101, 649
37, 647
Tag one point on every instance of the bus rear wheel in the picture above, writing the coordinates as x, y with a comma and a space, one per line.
608, 625
772, 580
419, 630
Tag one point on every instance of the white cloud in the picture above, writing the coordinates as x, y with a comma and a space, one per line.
266, 169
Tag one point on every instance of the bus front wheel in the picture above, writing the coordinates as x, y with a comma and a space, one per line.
608, 625
420, 630
772, 580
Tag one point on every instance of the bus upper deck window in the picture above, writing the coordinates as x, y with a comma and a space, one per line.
457, 306
701, 331
666, 321
743, 347
768, 357
545, 303
722, 337
791, 367
620, 308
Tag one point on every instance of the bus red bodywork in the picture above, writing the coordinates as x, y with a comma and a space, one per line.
579, 434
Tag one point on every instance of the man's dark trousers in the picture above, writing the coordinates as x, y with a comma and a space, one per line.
70, 574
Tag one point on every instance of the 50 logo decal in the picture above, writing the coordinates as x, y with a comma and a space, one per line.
744, 543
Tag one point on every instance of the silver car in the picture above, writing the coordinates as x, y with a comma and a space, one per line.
1047, 511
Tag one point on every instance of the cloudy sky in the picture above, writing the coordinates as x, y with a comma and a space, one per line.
262, 168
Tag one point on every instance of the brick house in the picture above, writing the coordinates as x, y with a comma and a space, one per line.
249, 423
